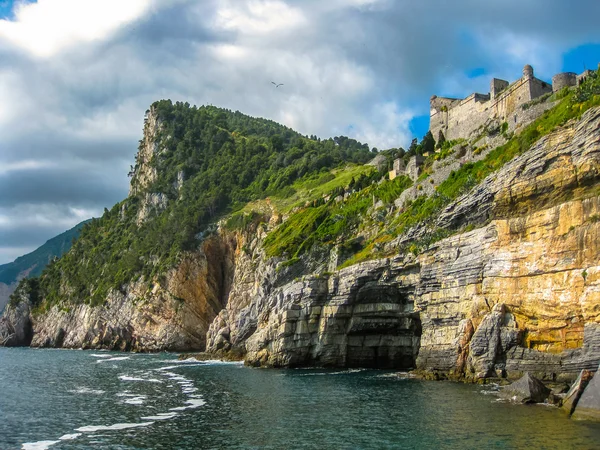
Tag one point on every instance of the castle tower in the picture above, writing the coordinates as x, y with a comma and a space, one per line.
565, 79
527, 72
497, 86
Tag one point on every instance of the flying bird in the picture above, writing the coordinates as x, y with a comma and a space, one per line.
277, 84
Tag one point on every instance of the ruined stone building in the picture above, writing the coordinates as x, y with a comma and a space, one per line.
459, 118
505, 103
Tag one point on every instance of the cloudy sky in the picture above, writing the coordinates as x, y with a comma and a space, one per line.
76, 77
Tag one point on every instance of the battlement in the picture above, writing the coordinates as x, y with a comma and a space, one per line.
459, 118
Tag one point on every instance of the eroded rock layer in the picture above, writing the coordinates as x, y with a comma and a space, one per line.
519, 294
173, 317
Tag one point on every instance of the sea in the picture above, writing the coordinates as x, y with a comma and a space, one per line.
74, 399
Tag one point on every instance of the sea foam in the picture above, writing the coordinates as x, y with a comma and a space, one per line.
116, 426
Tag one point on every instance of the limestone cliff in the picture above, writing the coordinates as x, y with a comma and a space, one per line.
172, 315
520, 293
513, 287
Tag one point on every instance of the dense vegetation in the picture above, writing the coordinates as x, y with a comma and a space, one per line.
227, 159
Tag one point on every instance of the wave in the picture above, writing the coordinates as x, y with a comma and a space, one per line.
69, 437
40, 445
116, 358
192, 404
86, 390
139, 400
116, 426
130, 378
160, 416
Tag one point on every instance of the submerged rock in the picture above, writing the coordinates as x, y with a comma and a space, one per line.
528, 389
588, 406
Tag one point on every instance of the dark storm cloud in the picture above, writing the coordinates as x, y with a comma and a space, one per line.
73, 117
60, 185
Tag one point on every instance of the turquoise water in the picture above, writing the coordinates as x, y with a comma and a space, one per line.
61, 399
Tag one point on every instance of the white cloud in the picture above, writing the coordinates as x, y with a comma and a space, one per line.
48, 26
26, 164
259, 17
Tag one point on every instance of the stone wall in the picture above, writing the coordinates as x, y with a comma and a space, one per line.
462, 118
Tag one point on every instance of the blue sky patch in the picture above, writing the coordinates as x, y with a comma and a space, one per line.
474, 73
586, 56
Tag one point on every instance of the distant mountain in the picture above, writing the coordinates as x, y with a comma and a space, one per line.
32, 264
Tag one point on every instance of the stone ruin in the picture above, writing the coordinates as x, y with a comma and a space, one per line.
459, 118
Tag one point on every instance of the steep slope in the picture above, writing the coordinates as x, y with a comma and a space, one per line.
521, 293
152, 273
32, 264
248, 239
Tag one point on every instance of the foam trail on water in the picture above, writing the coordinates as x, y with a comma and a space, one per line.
69, 437
135, 400
192, 404
130, 378
40, 445
86, 390
160, 416
116, 426
117, 358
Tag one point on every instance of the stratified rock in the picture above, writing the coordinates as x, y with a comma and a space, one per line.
528, 389
174, 315
588, 406
572, 398
496, 333
15, 325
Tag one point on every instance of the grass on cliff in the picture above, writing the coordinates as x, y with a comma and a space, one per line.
424, 209
329, 223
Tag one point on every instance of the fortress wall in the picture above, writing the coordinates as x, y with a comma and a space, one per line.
461, 118
508, 106
438, 115
468, 116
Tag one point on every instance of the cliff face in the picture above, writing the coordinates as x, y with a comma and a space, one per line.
145, 173
173, 315
520, 293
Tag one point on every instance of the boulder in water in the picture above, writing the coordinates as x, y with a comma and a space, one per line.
570, 401
527, 389
588, 406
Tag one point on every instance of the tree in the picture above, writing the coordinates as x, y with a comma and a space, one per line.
428, 143
441, 140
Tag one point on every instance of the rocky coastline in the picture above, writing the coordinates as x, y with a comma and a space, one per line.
513, 290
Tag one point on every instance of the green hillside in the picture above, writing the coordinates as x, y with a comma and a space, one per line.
39, 258
227, 160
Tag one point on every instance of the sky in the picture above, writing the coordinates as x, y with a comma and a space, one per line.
76, 77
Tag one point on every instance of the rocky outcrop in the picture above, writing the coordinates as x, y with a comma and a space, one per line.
171, 315
588, 407
355, 318
144, 173
519, 294
574, 394
15, 325
528, 389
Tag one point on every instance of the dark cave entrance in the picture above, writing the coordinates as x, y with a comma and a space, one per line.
384, 331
